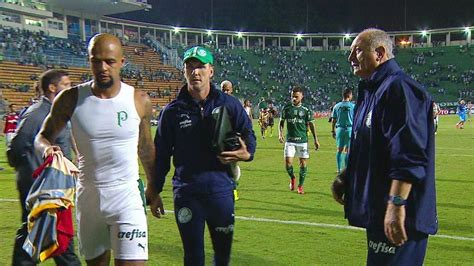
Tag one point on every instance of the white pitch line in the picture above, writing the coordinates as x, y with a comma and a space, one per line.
338, 226
347, 227
298, 222
454, 237
450, 148
9, 200
457, 155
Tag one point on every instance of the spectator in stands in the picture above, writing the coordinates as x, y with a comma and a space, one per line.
388, 187
23, 157
23, 88
138, 51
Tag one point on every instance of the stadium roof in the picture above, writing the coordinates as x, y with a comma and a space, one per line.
307, 16
99, 7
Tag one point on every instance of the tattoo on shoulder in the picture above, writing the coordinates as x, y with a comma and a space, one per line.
66, 102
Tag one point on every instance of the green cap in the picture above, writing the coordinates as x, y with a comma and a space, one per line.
200, 53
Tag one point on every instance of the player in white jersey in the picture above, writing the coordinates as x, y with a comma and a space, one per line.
111, 124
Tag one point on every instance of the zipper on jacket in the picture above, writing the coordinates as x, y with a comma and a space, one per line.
201, 106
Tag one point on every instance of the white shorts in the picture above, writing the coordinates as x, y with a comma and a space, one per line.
112, 218
296, 149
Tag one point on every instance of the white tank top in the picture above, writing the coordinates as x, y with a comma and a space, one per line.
248, 110
106, 133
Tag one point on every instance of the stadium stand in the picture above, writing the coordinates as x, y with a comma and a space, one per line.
27, 54
259, 64
447, 72
270, 72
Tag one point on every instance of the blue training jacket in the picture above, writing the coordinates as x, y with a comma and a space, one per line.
392, 138
185, 131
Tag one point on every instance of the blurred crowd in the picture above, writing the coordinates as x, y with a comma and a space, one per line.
271, 72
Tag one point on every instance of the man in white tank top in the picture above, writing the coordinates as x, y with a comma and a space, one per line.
111, 124
248, 108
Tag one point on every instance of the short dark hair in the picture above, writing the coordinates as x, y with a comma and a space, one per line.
52, 76
346, 92
297, 89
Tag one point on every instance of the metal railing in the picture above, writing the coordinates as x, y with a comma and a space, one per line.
45, 59
170, 56
57, 60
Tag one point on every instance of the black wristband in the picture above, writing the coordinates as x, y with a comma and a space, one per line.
397, 200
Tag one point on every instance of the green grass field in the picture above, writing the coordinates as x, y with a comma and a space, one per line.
277, 227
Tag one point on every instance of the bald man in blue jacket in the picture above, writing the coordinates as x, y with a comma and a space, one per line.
388, 186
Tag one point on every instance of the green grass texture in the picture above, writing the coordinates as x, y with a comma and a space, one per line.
275, 226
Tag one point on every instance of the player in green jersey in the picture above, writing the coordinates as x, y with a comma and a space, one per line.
299, 118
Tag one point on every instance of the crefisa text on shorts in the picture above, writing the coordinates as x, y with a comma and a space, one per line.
135, 233
382, 247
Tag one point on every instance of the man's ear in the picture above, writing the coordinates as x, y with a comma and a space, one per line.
51, 88
380, 52
212, 72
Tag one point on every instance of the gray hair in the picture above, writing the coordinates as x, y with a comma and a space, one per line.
226, 83
376, 38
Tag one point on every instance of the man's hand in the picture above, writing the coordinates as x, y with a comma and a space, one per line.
241, 154
281, 138
77, 159
51, 150
154, 199
338, 188
333, 134
316, 144
394, 224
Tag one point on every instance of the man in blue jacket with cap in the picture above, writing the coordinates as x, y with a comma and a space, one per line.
202, 181
388, 186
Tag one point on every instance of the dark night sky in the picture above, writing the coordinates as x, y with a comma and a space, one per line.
320, 16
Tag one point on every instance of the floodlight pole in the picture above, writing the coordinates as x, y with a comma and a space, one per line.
212, 14
307, 15
405, 19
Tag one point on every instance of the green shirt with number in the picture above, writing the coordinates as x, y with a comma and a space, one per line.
297, 119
